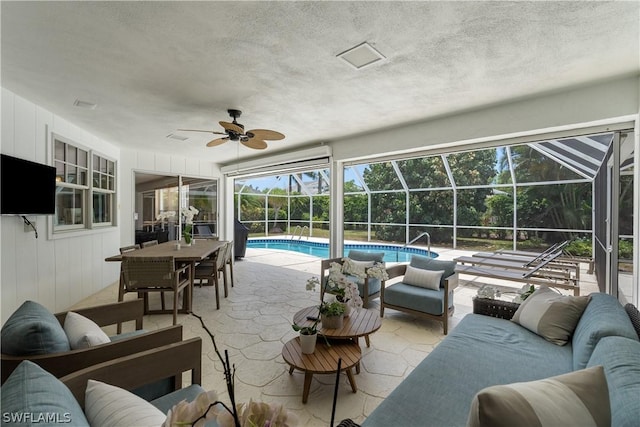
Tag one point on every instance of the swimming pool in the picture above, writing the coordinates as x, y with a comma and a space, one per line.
392, 253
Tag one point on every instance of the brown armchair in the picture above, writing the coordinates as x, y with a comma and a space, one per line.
435, 304
369, 288
63, 362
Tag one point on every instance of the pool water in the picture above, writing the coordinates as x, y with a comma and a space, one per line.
392, 253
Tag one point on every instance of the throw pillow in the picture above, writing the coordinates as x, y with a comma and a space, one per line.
428, 279
32, 392
110, 406
551, 315
83, 332
579, 398
31, 330
356, 268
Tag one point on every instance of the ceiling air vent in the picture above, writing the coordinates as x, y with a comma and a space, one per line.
361, 56
178, 137
84, 104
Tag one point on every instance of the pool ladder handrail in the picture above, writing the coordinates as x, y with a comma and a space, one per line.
424, 233
301, 229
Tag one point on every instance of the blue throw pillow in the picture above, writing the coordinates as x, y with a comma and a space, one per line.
427, 263
32, 330
32, 396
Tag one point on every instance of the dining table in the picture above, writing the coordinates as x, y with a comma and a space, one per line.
193, 254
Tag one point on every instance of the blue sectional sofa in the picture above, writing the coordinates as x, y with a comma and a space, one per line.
484, 351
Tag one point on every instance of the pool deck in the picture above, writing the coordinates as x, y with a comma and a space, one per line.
254, 322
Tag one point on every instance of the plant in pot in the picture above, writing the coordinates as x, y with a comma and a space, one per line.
331, 314
308, 336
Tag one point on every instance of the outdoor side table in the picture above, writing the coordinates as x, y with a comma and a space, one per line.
324, 360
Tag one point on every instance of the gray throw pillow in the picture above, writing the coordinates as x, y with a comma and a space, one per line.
33, 330
551, 315
579, 398
30, 391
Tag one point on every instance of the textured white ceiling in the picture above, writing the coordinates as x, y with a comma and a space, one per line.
154, 67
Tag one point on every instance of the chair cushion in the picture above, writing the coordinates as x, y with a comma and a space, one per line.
620, 358
426, 263
168, 401
365, 256
32, 330
32, 391
111, 406
417, 298
551, 315
82, 332
579, 398
429, 279
603, 317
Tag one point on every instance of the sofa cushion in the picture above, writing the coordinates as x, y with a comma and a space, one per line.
365, 256
479, 352
579, 398
620, 358
427, 263
82, 332
33, 330
429, 279
603, 317
168, 401
32, 391
551, 315
417, 298
110, 406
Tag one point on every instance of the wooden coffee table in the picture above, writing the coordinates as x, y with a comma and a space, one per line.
360, 323
324, 360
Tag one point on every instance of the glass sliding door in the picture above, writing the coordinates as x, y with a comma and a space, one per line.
202, 194
626, 219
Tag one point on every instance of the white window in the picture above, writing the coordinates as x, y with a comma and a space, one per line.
85, 187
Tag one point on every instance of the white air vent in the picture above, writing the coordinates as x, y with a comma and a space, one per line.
361, 56
178, 137
84, 104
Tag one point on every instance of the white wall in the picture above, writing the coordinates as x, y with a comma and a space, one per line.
62, 271
568, 109
59, 272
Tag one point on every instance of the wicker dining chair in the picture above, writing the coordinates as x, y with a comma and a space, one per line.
228, 260
207, 271
156, 274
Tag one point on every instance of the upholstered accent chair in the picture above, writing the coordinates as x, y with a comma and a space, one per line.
370, 288
426, 289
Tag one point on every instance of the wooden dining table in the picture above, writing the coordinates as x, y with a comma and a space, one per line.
198, 251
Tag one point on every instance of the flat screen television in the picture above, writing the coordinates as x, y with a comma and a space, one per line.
26, 188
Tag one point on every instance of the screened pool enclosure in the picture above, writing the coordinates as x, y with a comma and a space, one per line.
526, 196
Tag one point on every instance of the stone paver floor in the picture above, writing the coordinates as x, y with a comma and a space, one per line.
254, 322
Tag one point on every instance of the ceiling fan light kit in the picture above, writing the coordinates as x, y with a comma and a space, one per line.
255, 138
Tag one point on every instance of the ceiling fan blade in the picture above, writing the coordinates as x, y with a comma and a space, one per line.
256, 144
232, 127
200, 130
216, 142
270, 135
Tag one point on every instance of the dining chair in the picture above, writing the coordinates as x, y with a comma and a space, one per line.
124, 250
228, 260
156, 274
208, 270
149, 243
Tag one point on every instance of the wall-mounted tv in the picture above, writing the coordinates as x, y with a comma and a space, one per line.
26, 188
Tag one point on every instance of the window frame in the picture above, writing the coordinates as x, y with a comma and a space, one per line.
87, 190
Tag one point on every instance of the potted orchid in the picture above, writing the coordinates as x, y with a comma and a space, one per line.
188, 214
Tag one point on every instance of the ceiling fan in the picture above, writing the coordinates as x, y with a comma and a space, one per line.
254, 138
